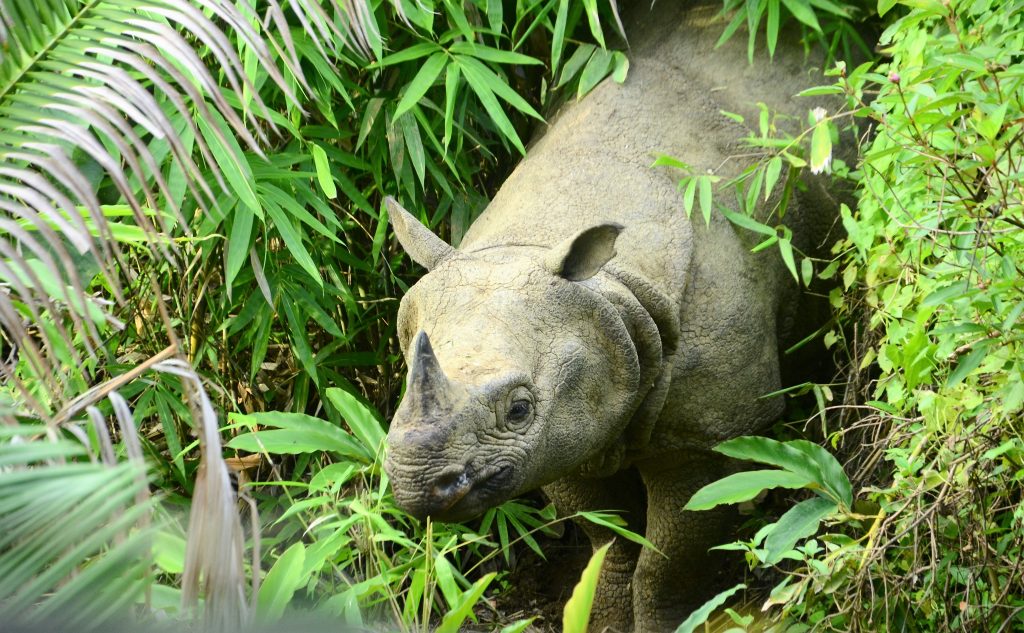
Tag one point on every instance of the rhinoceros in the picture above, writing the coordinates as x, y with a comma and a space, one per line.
587, 337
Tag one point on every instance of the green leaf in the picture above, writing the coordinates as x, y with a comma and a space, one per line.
293, 242
323, 171
620, 67
807, 271
415, 51
239, 236
558, 36
706, 192
479, 85
771, 175
598, 518
701, 615
295, 433
772, 26
594, 18
500, 87
596, 69
797, 456
689, 195
801, 10
821, 147
451, 91
786, 250
969, 363
748, 222
885, 5
576, 613
495, 17
744, 487
281, 583
230, 159
361, 419
452, 621
796, 524
422, 82
495, 55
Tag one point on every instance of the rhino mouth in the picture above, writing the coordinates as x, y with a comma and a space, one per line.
482, 492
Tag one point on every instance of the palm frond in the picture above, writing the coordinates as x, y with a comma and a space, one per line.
155, 98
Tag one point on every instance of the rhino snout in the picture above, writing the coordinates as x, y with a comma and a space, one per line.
456, 493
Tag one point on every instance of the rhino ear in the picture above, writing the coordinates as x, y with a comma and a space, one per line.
425, 248
582, 255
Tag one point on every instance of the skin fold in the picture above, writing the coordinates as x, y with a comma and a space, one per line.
588, 338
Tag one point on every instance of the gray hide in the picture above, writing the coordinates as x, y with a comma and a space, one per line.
587, 338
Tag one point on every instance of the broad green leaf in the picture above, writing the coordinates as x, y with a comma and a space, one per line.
597, 68
620, 67
594, 18
771, 175
772, 26
323, 171
701, 615
689, 195
969, 363
424, 79
230, 159
452, 621
293, 241
281, 583
239, 235
451, 91
558, 36
744, 487
295, 433
821, 147
884, 6
478, 85
499, 86
706, 191
360, 418
797, 456
415, 51
495, 17
575, 63
796, 524
621, 530
801, 10
786, 250
414, 146
576, 614
807, 271
495, 55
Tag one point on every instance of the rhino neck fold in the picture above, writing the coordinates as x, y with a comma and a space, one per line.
652, 320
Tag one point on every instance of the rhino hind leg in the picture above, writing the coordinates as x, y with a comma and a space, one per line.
666, 589
613, 599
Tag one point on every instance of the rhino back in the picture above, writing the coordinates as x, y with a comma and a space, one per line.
593, 163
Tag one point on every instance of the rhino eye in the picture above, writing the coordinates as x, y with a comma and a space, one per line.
518, 412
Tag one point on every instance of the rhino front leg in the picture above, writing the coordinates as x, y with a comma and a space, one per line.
613, 599
666, 589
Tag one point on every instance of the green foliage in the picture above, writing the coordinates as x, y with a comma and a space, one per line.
192, 189
928, 305
576, 615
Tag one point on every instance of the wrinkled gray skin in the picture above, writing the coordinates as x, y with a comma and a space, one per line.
588, 338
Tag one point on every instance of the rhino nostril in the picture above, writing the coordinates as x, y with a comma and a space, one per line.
451, 482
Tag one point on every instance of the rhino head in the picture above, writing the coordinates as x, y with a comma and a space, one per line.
519, 370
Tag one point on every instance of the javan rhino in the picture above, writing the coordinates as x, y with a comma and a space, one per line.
588, 338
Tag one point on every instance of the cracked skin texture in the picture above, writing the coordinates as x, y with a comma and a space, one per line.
603, 364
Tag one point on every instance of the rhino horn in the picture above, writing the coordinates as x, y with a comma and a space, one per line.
425, 248
428, 389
